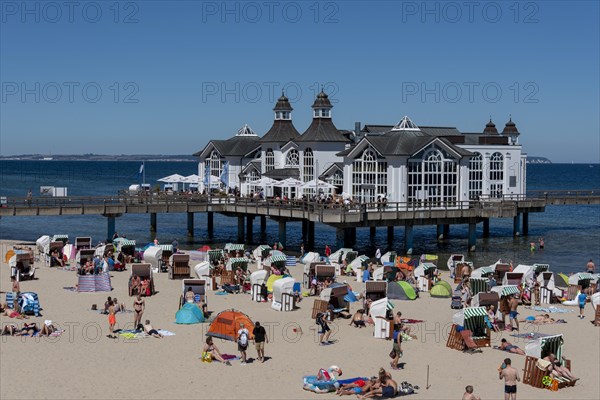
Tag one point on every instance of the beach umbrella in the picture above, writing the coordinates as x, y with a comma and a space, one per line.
317, 184
191, 179
175, 178
204, 248
289, 182
265, 181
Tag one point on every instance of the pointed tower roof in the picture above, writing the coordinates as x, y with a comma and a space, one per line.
322, 101
490, 128
510, 128
405, 124
282, 130
283, 103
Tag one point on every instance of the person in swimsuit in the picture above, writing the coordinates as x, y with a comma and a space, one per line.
358, 319
511, 377
28, 330
357, 387
513, 303
557, 370
112, 319
511, 348
148, 329
324, 330
388, 387
47, 329
212, 351
139, 305
189, 295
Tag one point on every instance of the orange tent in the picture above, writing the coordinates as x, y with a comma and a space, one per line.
227, 323
8, 256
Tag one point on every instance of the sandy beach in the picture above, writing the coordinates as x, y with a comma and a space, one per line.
84, 363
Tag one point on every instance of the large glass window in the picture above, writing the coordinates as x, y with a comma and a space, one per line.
496, 175
269, 160
252, 177
309, 166
293, 158
215, 164
369, 177
433, 180
475, 176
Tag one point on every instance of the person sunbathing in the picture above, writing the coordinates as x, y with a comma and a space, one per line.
539, 319
145, 287
9, 329
48, 328
358, 387
358, 319
189, 295
148, 329
557, 370
28, 330
212, 351
386, 387
135, 285
14, 314
511, 348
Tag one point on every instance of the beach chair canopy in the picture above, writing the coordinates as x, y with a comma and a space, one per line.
227, 323
198, 286
189, 314
379, 287
234, 263
278, 260
390, 256
261, 251
379, 307
483, 272
401, 290
310, 257
580, 278
359, 261
506, 290
484, 299
527, 270
215, 255
513, 278
152, 256
546, 279
167, 248
202, 269
234, 247
378, 274
42, 243
324, 271
62, 238
425, 268
541, 347
475, 320
441, 290
84, 241
283, 285
335, 256
258, 277
541, 268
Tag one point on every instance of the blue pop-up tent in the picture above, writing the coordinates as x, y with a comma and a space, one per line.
189, 314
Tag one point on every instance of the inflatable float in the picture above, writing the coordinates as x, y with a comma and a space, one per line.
324, 382
573, 302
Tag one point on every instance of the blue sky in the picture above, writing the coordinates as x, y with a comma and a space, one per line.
166, 77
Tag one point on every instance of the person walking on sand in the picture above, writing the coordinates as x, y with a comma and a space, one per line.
112, 319
511, 377
581, 299
324, 330
242, 341
260, 336
513, 303
468, 395
139, 305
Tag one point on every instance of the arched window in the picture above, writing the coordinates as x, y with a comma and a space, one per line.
309, 166
293, 158
369, 177
269, 160
496, 175
433, 180
252, 177
337, 178
475, 176
214, 162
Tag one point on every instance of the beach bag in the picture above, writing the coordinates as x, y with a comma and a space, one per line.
393, 354
206, 357
243, 339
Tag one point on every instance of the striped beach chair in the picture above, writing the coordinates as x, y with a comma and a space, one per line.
478, 285
10, 299
31, 306
290, 261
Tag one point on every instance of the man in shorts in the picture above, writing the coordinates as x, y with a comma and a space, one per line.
357, 387
260, 336
511, 377
513, 303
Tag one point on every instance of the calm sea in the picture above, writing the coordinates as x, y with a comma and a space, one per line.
571, 233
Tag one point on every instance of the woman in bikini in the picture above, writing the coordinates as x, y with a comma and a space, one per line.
211, 350
138, 309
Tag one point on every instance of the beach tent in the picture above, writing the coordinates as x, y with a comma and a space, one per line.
282, 294
441, 290
271, 281
190, 313
561, 280
401, 291
227, 323
309, 257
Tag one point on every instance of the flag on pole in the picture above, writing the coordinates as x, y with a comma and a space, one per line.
206, 175
225, 174
141, 172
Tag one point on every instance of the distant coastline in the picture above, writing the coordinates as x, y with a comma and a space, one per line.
538, 160
101, 157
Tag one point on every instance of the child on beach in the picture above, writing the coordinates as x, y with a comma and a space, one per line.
112, 319
581, 298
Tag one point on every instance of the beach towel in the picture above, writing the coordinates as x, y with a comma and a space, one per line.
221, 293
228, 357
165, 332
551, 309
70, 288
530, 336
352, 380
412, 321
